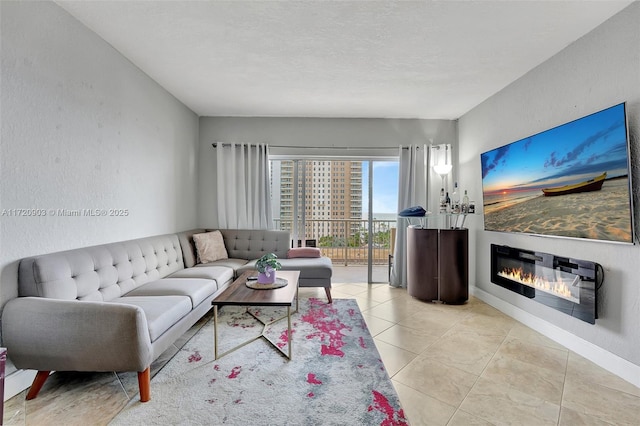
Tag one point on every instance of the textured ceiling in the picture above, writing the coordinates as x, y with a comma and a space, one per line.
427, 59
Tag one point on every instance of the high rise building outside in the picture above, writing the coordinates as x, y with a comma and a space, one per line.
332, 192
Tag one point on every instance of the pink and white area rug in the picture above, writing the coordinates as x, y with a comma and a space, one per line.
335, 377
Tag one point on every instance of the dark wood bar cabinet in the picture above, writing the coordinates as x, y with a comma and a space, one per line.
438, 264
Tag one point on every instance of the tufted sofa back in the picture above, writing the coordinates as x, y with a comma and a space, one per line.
100, 273
246, 244
254, 243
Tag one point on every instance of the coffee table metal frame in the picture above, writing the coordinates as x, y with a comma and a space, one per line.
240, 295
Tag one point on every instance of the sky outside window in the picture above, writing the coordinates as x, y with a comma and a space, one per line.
385, 187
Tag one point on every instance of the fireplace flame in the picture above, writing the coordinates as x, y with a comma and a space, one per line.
556, 287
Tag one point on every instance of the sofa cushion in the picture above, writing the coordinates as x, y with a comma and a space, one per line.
221, 274
234, 264
195, 288
210, 247
248, 266
319, 267
162, 312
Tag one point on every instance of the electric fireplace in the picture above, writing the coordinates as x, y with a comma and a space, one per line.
565, 284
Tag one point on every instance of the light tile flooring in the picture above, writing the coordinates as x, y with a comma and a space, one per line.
451, 365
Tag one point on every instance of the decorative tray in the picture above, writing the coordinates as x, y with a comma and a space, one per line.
254, 284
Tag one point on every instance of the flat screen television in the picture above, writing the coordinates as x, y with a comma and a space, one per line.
570, 181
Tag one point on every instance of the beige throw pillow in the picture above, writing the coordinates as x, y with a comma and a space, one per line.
210, 246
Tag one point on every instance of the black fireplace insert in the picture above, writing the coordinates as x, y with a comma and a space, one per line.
566, 284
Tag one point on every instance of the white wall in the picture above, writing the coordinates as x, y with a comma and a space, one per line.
83, 128
597, 71
309, 133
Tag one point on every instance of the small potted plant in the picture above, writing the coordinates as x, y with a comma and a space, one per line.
267, 266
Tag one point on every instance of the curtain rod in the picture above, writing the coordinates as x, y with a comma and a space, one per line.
353, 148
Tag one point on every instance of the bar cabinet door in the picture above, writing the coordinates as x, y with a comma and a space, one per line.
454, 266
422, 263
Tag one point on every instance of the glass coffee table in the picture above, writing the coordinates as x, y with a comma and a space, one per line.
239, 294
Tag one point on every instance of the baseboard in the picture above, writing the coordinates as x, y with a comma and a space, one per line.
17, 381
605, 359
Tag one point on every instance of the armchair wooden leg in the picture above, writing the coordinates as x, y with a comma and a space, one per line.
37, 384
144, 383
328, 291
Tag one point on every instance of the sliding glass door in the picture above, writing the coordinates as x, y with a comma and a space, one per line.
381, 203
327, 204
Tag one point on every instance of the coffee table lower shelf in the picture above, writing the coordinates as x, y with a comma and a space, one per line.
265, 327
238, 294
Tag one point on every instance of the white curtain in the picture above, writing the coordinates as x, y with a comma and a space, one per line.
412, 191
244, 198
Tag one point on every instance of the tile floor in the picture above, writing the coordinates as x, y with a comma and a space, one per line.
451, 365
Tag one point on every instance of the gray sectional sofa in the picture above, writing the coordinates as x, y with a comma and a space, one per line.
253, 244
118, 306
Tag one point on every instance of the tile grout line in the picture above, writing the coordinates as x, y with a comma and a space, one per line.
564, 383
478, 378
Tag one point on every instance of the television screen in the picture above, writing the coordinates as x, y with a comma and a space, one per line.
570, 181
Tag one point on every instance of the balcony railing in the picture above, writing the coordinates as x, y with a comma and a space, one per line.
345, 241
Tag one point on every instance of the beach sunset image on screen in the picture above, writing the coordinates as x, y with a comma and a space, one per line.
569, 181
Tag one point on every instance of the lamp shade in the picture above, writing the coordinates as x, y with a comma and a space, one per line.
442, 169
441, 159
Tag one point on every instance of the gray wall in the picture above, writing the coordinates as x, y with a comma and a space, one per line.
83, 128
308, 133
597, 71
